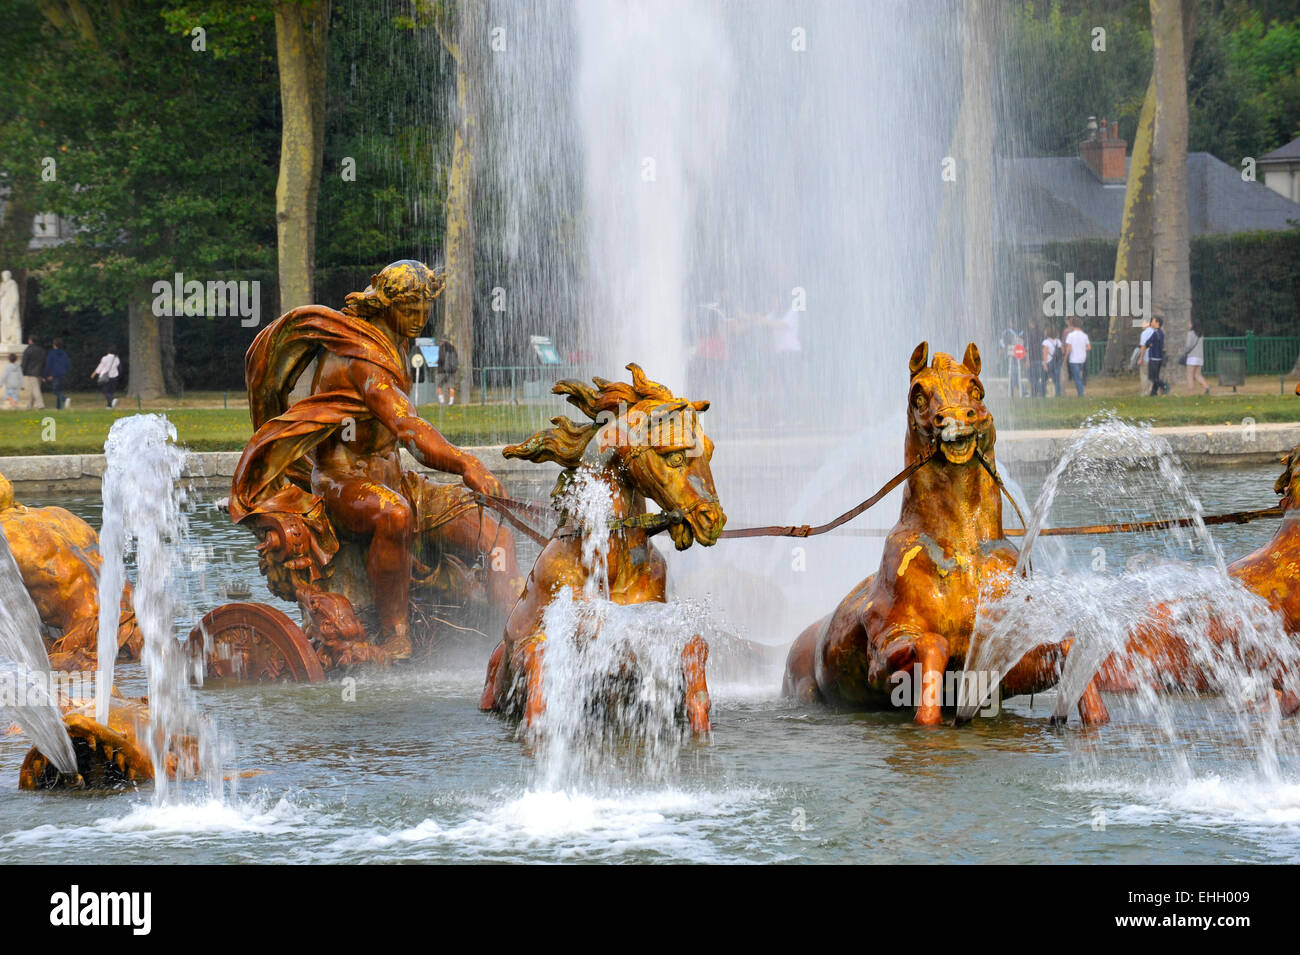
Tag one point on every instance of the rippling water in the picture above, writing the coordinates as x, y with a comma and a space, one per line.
411, 771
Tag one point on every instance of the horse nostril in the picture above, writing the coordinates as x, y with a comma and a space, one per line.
970, 412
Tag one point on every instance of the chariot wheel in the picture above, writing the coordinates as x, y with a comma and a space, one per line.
254, 643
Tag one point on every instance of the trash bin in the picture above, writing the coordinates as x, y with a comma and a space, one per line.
1232, 366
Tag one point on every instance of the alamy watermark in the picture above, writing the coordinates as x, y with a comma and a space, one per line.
213, 299
958, 687
1084, 298
42, 687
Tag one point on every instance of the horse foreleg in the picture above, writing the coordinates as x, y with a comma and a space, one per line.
694, 656
488, 701
1092, 708
932, 654
529, 663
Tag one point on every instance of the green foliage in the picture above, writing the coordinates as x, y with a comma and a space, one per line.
165, 157
1052, 80
383, 67
1243, 84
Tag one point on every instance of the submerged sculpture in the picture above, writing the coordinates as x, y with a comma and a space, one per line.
915, 615
343, 528
1156, 651
647, 444
58, 557
108, 757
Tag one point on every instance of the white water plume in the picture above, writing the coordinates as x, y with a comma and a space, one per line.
144, 509
23, 661
1229, 643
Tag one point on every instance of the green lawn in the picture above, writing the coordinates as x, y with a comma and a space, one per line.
1027, 414
82, 431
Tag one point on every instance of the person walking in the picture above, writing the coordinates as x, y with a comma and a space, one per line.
12, 380
1053, 351
57, 366
1194, 359
33, 371
106, 375
1155, 356
1077, 346
1140, 355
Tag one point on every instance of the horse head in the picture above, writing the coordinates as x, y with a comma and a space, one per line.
650, 437
945, 407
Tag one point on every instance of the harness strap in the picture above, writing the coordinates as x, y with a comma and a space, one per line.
803, 530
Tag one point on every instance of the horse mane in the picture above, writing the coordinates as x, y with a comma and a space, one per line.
566, 442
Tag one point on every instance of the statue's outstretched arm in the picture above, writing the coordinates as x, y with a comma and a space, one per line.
392, 408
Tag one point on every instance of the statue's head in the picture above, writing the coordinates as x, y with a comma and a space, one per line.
401, 293
945, 405
5, 276
651, 437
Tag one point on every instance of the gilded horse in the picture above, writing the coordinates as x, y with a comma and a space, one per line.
1156, 651
647, 443
948, 551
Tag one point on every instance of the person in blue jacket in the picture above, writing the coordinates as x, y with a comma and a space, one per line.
57, 366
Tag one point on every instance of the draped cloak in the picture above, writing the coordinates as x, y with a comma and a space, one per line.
272, 482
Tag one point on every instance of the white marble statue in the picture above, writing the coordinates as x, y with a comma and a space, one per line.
11, 332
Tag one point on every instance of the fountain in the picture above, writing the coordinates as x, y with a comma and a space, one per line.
59, 561
640, 442
24, 663
344, 528
947, 556
1163, 623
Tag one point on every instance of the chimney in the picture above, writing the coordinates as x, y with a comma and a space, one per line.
1103, 152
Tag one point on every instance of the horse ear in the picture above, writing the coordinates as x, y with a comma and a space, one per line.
972, 358
919, 357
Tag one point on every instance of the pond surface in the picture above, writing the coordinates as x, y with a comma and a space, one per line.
409, 770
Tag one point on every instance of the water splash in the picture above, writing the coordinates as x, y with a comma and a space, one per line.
1174, 579
144, 508
612, 682
613, 686
25, 667
589, 501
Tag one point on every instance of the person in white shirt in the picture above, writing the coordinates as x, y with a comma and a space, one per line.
1053, 349
1077, 347
106, 375
1145, 337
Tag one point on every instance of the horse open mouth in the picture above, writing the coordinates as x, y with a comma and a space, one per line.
958, 447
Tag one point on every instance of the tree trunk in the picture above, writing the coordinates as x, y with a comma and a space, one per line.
301, 30
167, 355
979, 45
144, 374
458, 298
1133, 258
1171, 277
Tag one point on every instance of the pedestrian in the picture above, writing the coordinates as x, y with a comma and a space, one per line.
12, 380
1194, 359
1140, 355
57, 366
1155, 355
1077, 347
448, 368
106, 375
33, 371
1053, 352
